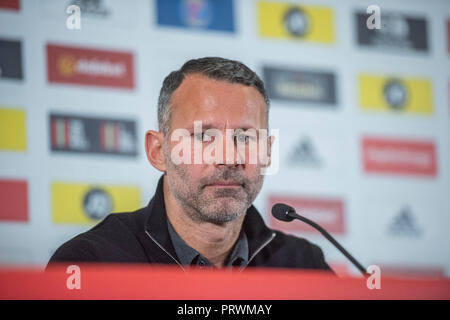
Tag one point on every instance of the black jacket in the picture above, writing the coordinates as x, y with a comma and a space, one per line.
142, 237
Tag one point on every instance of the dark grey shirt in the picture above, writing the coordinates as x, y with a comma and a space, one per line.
189, 256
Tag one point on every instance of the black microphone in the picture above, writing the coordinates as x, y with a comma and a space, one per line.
286, 213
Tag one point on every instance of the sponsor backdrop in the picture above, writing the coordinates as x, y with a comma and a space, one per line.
363, 116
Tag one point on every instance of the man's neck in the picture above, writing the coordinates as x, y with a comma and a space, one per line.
212, 241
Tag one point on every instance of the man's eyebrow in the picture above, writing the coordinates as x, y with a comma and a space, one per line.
247, 128
204, 127
210, 126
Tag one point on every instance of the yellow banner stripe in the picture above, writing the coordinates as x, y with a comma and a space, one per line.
271, 22
68, 198
13, 130
372, 94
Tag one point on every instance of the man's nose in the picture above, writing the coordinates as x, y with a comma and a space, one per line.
231, 155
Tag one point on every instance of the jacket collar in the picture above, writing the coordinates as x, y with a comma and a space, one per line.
258, 234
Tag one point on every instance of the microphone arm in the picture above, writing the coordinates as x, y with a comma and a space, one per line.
332, 240
286, 213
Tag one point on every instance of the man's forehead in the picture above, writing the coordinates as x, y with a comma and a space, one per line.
217, 104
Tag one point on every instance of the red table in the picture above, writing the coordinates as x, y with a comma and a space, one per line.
150, 282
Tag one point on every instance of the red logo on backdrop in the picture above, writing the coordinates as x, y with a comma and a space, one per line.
14, 200
90, 67
328, 213
399, 156
10, 4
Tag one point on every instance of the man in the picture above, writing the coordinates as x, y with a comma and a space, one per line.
202, 213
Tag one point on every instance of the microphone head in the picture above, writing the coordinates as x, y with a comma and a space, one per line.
281, 212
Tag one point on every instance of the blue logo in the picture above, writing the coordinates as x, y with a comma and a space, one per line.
197, 14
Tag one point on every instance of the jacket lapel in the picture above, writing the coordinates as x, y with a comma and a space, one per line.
258, 234
158, 246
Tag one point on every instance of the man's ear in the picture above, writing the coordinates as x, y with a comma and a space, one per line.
154, 142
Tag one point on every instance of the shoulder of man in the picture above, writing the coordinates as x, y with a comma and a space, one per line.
288, 251
111, 240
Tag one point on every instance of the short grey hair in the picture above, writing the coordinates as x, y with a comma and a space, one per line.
212, 67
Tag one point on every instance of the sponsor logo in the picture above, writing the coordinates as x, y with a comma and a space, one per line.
10, 59
10, 5
304, 153
97, 203
296, 22
14, 200
76, 203
404, 224
329, 213
397, 32
197, 14
13, 136
91, 14
383, 93
289, 21
300, 86
399, 157
92, 135
312, 151
90, 67
94, 8
395, 94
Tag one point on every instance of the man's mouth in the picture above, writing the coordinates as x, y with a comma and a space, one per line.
225, 184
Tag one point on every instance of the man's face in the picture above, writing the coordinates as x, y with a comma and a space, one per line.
221, 191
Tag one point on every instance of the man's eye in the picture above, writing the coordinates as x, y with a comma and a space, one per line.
202, 137
243, 138
199, 136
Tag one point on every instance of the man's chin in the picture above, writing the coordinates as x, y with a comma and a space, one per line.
220, 217
224, 210
225, 192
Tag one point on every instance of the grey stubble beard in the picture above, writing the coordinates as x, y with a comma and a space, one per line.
198, 205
